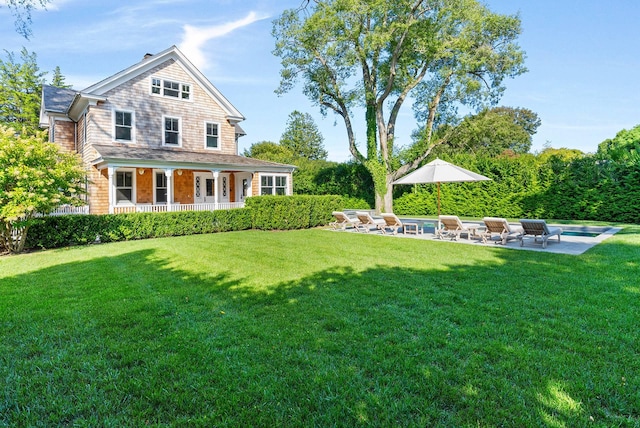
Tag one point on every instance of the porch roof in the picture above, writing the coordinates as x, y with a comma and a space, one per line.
176, 158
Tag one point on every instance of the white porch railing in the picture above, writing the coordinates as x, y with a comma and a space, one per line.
151, 208
66, 210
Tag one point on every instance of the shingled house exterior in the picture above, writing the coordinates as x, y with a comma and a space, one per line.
158, 136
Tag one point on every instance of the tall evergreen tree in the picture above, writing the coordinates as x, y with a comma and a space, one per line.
303, 138
20, 92
58, 79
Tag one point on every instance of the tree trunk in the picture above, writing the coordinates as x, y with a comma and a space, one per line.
384, 199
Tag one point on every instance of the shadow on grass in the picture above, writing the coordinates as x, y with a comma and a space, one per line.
525, 339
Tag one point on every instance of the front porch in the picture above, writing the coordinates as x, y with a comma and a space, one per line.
176, 206
136, 189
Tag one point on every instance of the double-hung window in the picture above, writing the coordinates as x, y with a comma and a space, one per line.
211, 135
124, 186
273, 185
172, 131
123, 124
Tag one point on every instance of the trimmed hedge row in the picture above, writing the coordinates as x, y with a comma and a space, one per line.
297, 212
261, 212
587, 188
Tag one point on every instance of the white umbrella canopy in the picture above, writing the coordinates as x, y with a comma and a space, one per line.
439, 171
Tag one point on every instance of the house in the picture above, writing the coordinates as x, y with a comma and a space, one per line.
158, 136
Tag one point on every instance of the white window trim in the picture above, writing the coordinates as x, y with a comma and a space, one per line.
164, 118
133, 187
180, 85
274, 175
207, 122
133, 125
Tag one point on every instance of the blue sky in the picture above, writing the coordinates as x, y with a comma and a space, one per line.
583, 58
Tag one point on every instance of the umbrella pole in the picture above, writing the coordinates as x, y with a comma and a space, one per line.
438, 199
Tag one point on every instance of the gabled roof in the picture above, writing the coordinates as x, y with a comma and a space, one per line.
151, 61
56, 100
114, 155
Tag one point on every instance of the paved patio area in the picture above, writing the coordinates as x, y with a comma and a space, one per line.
573, 244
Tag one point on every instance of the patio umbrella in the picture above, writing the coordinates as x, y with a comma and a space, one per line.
438, 171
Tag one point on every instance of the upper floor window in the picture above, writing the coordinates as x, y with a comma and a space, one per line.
123, 125
172, 131
169, 88
211, 135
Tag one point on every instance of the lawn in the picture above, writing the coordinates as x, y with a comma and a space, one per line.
319, 328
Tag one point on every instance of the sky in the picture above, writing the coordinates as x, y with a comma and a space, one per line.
583, 58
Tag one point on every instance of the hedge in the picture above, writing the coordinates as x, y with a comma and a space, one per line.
586, 188
260, 212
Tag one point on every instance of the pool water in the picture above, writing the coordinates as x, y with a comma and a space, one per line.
580, 233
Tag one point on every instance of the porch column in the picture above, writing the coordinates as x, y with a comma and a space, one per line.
112, 189
216, 191
169, 173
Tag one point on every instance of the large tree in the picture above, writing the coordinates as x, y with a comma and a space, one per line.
20, 92
376, 54
21, 10
303, 137
494, 131
35, 178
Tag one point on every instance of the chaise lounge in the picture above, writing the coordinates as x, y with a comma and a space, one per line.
392, 222
342, 221
452, 227
538, 228
366, 222
500, 227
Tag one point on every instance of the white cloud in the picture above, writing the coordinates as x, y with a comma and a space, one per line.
194, 38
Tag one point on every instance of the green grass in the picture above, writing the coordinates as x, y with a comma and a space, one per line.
316, 328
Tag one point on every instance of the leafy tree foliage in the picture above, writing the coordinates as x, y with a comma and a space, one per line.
270, 151
352, 53
494, 131
303, 138
20, 92
21, 10
35, 177
624, 147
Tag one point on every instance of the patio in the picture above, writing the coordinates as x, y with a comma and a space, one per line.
574, 240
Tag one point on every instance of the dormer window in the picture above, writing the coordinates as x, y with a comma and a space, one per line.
170, 88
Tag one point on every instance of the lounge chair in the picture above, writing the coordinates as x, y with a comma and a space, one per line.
452, 227
538, 228
343, 221
502, 228
366, 222
391, 222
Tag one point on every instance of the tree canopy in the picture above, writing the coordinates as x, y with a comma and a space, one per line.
377, 54
494, 131
625, 146
303, 138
